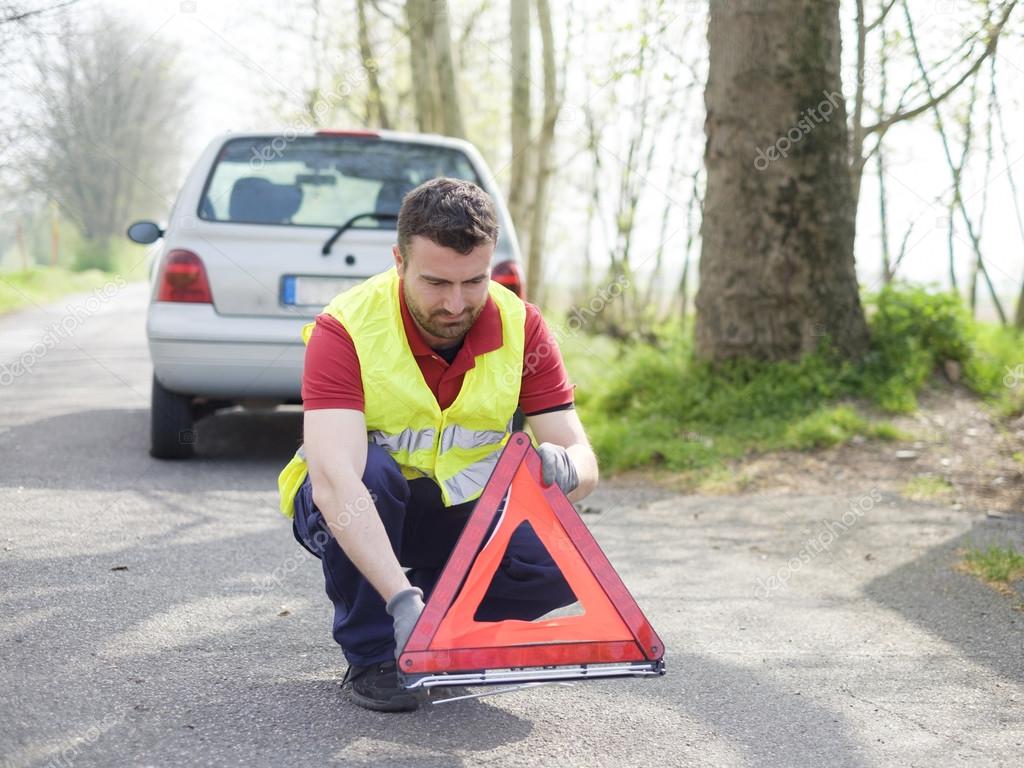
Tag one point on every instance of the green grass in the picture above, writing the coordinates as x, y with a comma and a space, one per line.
650, 406
81, 265
926, 487
43, 285
997, 565
825, 427
655, 405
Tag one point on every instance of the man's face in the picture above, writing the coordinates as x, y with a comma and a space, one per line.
445, 290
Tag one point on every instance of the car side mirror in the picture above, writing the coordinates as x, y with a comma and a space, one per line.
144, 232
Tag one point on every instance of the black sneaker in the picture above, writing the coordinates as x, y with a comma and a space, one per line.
376, 687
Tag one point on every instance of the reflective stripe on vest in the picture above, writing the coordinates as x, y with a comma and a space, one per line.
455, 436
407, 441
470, 482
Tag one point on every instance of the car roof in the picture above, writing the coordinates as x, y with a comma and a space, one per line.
431, 139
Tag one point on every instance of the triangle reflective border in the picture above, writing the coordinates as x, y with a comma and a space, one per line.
611, 638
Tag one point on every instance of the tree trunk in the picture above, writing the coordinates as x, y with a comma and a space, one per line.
448, 106
883, 87
376, 111
420, 22
1019, 319
545, 142
518, 197
777, 265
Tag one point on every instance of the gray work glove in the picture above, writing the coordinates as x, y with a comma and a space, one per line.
557, 467
405, 608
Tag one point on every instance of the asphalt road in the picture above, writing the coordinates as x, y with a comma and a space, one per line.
160, 614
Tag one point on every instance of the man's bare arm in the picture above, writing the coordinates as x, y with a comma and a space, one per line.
565, 429
335, 448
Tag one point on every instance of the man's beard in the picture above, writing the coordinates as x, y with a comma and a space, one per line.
432, 325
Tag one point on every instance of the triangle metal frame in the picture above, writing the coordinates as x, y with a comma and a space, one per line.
421, 664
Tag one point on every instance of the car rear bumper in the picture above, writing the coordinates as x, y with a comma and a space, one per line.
199, 352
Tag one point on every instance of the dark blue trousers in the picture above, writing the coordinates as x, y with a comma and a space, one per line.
423, 533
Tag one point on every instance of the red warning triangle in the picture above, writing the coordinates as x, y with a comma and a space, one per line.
612, 628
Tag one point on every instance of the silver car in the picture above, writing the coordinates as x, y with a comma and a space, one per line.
266, 230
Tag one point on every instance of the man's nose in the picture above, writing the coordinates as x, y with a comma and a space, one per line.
454, 303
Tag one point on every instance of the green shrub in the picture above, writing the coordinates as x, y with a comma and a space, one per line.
93, 254
912, 331
995, 369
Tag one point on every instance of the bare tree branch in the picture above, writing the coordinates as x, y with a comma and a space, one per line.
15, 15
881, 16
934, 100
957, 201
109, 122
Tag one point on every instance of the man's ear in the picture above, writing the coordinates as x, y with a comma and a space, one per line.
399, 261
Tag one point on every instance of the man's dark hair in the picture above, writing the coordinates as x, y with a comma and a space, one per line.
452, 213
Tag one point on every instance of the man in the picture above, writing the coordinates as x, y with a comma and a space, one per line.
411, 380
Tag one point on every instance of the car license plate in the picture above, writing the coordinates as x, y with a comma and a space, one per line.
307, 291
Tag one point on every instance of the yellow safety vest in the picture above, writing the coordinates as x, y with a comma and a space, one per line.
457, 447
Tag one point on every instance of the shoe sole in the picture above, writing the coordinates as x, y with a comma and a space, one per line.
400, 703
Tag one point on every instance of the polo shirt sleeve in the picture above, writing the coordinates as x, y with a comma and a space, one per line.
545, 385
330, 374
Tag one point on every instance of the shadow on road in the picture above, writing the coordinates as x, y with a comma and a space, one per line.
770, 724
956, 607
432, 736
108, 449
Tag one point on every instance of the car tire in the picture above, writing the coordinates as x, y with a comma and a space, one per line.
171, 435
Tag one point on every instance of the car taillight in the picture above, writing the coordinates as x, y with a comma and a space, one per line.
183, 278
509, 274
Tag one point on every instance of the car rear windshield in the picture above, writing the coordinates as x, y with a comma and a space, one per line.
322, 181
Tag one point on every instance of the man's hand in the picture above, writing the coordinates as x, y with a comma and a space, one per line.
563, 428
405, 608
557, 467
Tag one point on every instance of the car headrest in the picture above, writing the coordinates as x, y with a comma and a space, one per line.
261, 201
389, 198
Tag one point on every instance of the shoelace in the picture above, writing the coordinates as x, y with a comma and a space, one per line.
348, 672
349, 677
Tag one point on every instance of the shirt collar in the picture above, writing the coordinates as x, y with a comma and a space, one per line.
485, 335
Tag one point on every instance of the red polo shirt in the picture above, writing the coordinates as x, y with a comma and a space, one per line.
331, 376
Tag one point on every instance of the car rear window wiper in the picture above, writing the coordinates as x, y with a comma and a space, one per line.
348, 225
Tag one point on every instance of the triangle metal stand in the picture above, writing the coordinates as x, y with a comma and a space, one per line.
433, 657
